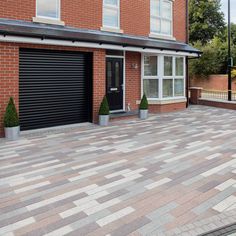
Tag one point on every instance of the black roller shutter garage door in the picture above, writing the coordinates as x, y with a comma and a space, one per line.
55, 88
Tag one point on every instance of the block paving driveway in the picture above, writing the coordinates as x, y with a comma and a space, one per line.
173, 174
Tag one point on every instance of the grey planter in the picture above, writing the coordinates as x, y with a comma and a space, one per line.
104, 120
143, 114
12, 133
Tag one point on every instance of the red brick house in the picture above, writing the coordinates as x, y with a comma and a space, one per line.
59, 58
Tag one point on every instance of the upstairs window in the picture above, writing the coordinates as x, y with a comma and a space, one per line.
48, 9
161, 17
111, 14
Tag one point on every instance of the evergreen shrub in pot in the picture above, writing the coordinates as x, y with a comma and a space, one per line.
11, 121
143, 108
104, 112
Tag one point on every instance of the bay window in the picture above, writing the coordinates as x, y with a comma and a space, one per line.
111, 14
48, 9
161, 17
163, 76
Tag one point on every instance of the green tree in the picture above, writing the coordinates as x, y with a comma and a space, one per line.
213, 59
206, 20
224, 36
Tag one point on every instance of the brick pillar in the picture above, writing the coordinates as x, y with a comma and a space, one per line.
195, 94
99, 80
9, 78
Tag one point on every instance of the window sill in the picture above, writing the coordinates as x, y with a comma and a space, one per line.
160, 36
113, 30
48, 21
165, 101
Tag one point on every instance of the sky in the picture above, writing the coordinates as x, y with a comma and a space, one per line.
233, 9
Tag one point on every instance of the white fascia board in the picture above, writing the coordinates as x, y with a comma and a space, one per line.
30, 40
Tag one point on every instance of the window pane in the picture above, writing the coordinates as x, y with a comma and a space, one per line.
111, 2
167, 88
166, 27
179, 87
151, 88
155, 8
155, 25
168, 68
179, 66
150, 66
166, 10
110, 18
48, 8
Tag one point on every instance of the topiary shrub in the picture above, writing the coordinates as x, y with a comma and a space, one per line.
11, 117
104, 108
144, 103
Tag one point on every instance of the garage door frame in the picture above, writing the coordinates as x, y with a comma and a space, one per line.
88, 82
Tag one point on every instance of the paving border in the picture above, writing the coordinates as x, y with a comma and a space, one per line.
207, 226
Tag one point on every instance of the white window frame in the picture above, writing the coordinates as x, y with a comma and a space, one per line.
111, 7
160, 76
50, 18
160, 18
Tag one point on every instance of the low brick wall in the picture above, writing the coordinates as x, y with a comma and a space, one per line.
219, 104
167, 107
213, 82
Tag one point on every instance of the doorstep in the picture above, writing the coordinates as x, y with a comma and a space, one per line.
124, 115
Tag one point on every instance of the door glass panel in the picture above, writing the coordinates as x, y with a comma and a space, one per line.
117, 75
109, 74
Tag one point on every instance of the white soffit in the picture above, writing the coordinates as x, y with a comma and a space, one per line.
19, 39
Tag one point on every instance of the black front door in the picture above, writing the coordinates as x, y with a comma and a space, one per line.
114, 87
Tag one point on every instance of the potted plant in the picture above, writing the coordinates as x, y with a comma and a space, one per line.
143, 108
11, 121
104, 112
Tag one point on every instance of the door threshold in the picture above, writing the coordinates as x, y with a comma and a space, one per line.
117, 111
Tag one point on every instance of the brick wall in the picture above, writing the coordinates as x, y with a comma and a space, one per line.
180, 20
167, 107
135, 14
8, 77
133, 79
9, 74
213, 82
